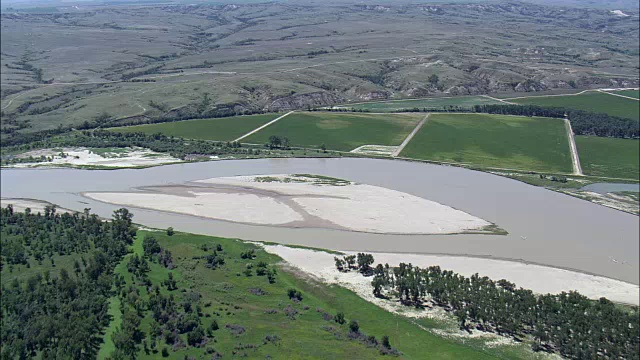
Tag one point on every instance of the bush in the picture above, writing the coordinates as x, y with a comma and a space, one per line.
294, 294
339, 318
165, 352
354, 326
170, 231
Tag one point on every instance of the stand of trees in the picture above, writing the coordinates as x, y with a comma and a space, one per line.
59, 316
568, 323
176, 147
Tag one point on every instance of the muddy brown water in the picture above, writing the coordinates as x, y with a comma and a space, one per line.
544, 227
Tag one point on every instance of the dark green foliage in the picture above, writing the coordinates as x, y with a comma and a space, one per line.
170, 231
150, 245
568, 323
294, 294
249, 254
354, 326
71, 323
339, 318
364, 262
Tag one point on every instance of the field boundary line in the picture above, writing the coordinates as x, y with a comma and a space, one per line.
553, 95
410, 136
575, 158
500, 100
263, 126
622, 96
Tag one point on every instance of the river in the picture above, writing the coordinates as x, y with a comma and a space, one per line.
544, 227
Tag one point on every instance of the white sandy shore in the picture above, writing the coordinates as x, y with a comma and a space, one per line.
539, 279
130, 157
35, 205
300, 201
246, 208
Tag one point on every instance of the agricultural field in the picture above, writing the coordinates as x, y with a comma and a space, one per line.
430, 103
589, 101
339, 131
497, 141
609, 157
220, 129
256, 318
629, 93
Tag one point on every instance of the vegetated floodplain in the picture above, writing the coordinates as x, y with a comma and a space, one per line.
339, 131
220, 129
244, 305
629, 93
431, 103
609, 157
590, 101
498, 141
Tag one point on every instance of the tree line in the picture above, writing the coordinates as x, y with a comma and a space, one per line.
582, 122
60, 316
568, 323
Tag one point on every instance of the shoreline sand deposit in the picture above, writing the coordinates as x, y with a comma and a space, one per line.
301, 201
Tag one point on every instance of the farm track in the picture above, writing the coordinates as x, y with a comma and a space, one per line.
575, 158
263, 126
410, 136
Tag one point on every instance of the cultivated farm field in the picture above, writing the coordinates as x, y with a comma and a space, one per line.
220, 129
430, 103
609, 157
629, 93
498, 141
339, 131
590, 101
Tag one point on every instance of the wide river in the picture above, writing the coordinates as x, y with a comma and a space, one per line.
544, 227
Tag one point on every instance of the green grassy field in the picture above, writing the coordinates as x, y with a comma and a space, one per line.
220, 129
395, 105
535, 144
339, 131
630, 93
225, 291
609, 157
590, 101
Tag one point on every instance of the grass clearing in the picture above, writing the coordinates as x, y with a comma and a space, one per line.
431, 103
609, 157
227, 295
513, 142
339, 131
219, 129
590, 101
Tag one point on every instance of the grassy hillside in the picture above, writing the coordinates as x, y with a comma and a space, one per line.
536, 144
432, 103
590, 101
249, 309
339, 131
221, 129
609, 157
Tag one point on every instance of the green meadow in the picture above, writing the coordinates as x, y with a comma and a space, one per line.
497, 141
339, 131
609, 157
